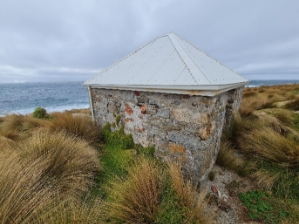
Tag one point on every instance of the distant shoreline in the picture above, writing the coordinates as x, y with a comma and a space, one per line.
85, 105
48, 111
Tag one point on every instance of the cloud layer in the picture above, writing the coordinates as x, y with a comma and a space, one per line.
74, 40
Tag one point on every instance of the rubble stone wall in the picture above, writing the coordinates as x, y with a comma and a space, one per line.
181, 127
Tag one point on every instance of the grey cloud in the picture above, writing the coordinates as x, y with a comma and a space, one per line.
72, 40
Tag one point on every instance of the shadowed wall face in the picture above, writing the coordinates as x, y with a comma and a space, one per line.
181, 127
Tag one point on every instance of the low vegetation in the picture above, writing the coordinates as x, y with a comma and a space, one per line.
262, 143
138, 188
61, 168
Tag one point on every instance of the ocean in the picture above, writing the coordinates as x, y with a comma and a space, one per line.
23, 98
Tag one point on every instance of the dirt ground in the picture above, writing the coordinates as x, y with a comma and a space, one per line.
225, 203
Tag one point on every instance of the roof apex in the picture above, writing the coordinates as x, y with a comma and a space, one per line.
165, 62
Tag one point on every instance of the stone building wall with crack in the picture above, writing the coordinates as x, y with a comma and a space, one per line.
181, 127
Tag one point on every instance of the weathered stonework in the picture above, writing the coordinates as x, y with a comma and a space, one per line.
181, 127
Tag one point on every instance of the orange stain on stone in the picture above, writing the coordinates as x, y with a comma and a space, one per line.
128, 110
177, 149
143, 109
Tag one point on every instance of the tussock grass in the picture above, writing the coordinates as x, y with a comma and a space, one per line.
6, 143
265, 97
272, 146
13, 135
229, 159
19, 197
18, 127
266, 178
188, 196
136, 200
12, 122
41, 174
80, 126
293, 105
65, 162
72, 211
249, 93
21, 123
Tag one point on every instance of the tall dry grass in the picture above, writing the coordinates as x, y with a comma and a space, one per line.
19, 198
264, 146
264, 136
72, 210
189, 196
41, 174
80, 126
17, 122
6, 143
18, 127
229, 159
65, 162
266, 97
270, 145
136, 200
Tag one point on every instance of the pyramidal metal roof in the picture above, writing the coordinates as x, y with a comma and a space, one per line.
168, 64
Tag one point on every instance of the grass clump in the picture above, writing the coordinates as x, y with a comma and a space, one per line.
188, 196
293, 105
65, 162
42, 175
137, 199
79, 126
18, 127
155, 193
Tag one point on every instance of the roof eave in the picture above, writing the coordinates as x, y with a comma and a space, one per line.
197, 90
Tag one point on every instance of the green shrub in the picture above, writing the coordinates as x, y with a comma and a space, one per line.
40, 112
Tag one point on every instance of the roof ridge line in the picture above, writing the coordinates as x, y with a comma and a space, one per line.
181, 57
202, 72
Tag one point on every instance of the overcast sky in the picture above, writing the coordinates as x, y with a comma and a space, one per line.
61, 40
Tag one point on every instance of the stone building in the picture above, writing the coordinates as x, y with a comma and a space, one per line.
170, 95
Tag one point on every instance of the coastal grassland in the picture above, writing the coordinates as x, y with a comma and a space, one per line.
269, 97
61, 168
262, 143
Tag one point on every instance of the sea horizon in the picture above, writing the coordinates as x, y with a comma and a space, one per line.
23, 98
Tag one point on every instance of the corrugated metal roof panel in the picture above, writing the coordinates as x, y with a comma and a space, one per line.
168, 63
